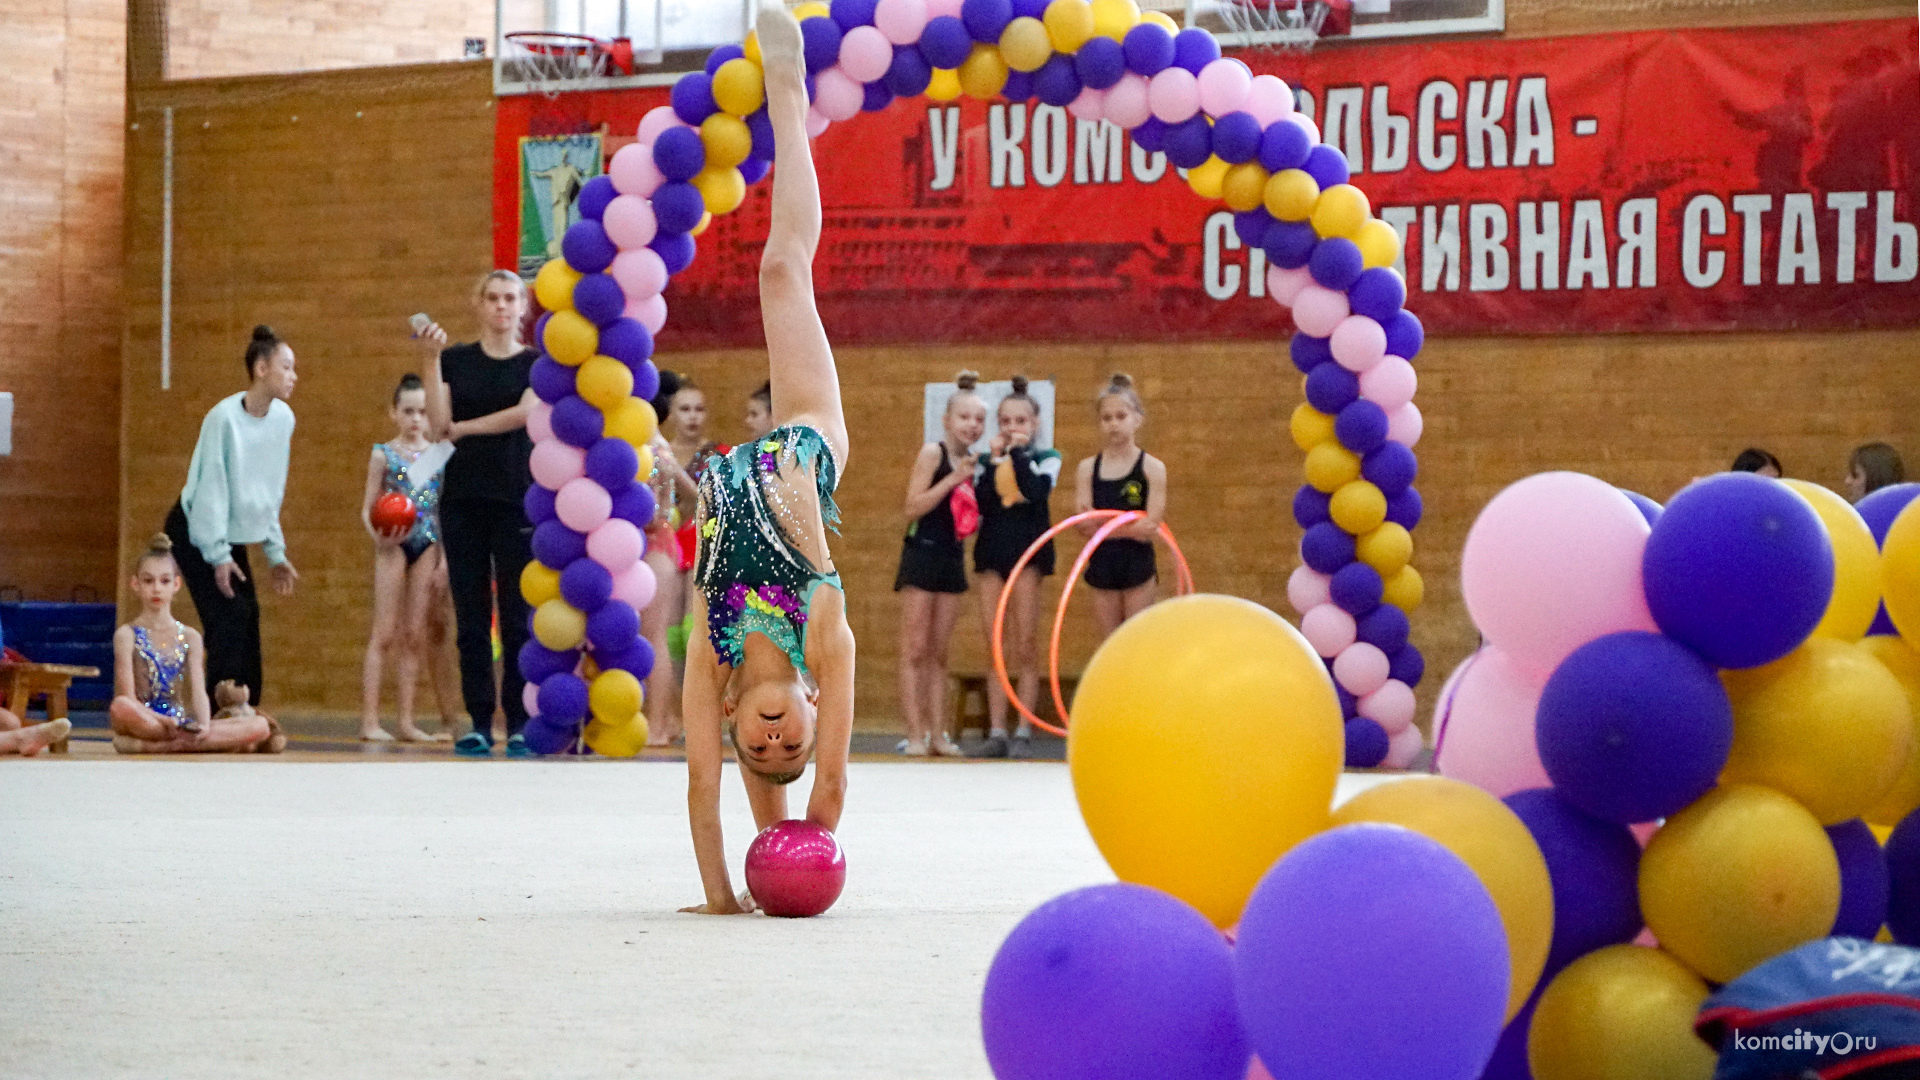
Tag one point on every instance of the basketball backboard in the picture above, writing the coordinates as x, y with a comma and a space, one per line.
1299, 23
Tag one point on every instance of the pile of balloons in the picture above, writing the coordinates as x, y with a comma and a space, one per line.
1690, 680
1255, 931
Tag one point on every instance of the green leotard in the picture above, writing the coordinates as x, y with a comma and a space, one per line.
753, 574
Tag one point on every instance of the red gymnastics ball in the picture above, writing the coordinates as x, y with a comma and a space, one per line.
393, 512
795, 869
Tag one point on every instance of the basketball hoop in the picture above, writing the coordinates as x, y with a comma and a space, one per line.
1286, 25
549, 62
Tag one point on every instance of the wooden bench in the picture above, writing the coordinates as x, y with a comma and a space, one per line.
970, 707
22, 682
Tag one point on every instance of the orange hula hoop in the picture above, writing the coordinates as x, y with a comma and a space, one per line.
1183, 584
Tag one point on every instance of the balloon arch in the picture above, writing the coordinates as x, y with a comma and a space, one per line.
1240, 142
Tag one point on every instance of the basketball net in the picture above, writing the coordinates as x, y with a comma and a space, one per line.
1278, 25
551, 63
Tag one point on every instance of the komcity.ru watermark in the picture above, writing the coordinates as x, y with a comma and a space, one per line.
1839, 1044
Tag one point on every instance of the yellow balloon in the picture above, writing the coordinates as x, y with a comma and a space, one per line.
1826, 724
1157, 748
1379, 244
645, 469
1291, 194
721, 189
633, 420
751, 47
813, 9
553, 285
1743, 874
1904, 796
1340, 210
614, 696
1405, 589
539, 583
739, 87
945, 85
726, 138
588, 669
1624, 1012
1358, 507
1331, 465
559, 625
1025, 45
1856, 564
1900, 572
1386, 549
604, 382
983, 73
1113, 18
1495, 845
570, 338
706, 219
1245, 186
1069, 24
1208, 178
622, 740
1162, 20
1310, 426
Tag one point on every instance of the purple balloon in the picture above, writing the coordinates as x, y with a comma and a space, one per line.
646, 380
1392, 468
626, 340
537, 662
676, 249
563, 698
1647, 507
1331, 388
692, 98
1284, 145
595, 194
1903, 880
1327, 982
636, 659
1594, 866
1336, 263
1509, 1060
677, 206
1879, 508
587, 247
1356, 588
545, 735
820, 38
1251, 226
1019, 86
551, 380
1190, 142
1405, 335
1326, 547
1349, 705
1308, 352
612, 463
537, 504
614, 627
1739, 569
1031, 9
945, 41
760, 126
1194, 48
1236, 137
577, 422
1379, 294
875, 97
1100, 62
585, 584
678, 153
1407, 665
1361, 427
852, 13
1385, 628
1068, 988
1151, 135
1406, 508
1311, 506
1149, 49
1327, 166
635, 503
909, 75
599, 298
1366, 743
1634, 726
555, 545
755, 169
985, 19
1057, 82
720, 56
1289, 244
1863, 880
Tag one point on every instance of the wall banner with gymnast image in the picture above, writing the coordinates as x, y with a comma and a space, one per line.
933, 417
553, 168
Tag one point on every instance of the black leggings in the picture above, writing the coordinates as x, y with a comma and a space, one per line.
487, 545
231, 625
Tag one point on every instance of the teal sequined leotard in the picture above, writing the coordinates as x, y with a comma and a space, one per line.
751, 567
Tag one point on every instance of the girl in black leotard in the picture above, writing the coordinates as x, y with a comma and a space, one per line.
933, 570
1121, 477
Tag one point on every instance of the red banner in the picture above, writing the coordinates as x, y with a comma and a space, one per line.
1693, 180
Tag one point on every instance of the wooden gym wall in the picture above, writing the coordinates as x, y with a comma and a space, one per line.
373, 204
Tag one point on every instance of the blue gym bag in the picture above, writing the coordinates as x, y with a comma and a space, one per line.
1840, 1007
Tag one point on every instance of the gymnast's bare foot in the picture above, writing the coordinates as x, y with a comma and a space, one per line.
33, 738
410, 733
374, 733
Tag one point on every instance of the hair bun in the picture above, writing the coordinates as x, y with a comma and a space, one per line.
161, 543
1019, 384
1121, 381
263, 332
967, 380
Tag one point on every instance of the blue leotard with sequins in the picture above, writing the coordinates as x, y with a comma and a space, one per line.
165, 671
753, 574
426, 523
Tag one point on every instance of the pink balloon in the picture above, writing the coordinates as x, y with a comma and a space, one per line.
658, 119
1285, 285
1361, 668
1552, 563
530, 697
1389, 383
1644, 831
1405, 424
636, 585
616, 544
1391, 706
582, 504
1328, 629
837, 95
1307, 588
865, 54
1127, 103
1404, 747
540, 422
1257, 1071
650, 312
1224, 86
1485, 735
1646, 940
1091, 105
629, 219
1358, 343
817, 123
1307, 125
1317, 310
1268, 99
937, 8
639, 272
900, 20
554, 463
634, 172
1174, 95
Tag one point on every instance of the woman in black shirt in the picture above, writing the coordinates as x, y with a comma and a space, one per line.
482, 407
